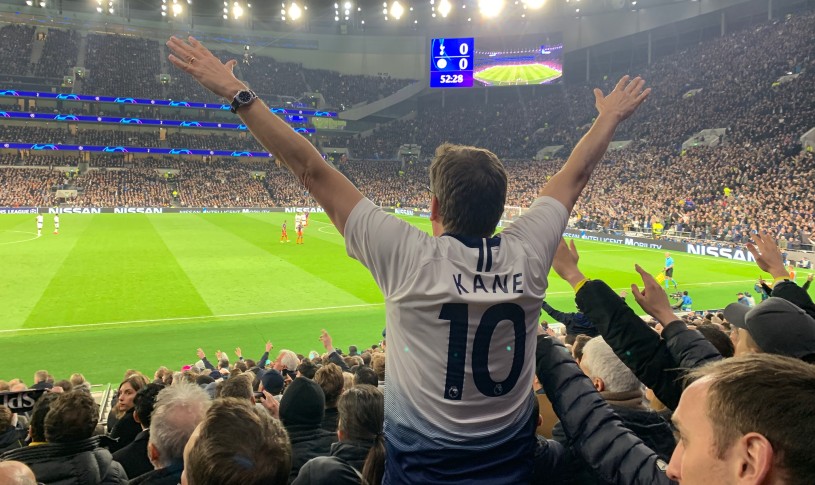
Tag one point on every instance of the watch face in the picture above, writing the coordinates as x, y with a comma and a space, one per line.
244, 96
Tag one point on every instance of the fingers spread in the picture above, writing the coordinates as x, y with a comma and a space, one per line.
622, 82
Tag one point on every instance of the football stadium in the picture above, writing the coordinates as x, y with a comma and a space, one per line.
464, 241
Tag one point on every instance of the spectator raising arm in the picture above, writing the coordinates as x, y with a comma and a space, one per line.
329, 187
568, 183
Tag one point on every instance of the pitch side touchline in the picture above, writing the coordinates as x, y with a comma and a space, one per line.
278, 312
198, 317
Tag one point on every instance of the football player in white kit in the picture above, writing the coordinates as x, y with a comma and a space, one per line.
462, 307
39, 225
56, 223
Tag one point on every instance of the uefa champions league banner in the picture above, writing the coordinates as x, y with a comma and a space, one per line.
696, 248
18, 210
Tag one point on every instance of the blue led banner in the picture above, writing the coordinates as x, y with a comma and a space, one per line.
121, 149
156, 102
135, 121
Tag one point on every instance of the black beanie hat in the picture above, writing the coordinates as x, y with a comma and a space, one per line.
303, 403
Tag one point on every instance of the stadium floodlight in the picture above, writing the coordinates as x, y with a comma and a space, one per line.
534, 4
294, 11
347, 5
397, 10
445, 7
490, 8
237, 11
29, 2
42, 3
177, 9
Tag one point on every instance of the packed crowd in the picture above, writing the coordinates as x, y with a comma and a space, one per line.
59, 54
287, 411
15, 48
343, 90
27, 187
221, 188
135, 187
215, 141
123, 66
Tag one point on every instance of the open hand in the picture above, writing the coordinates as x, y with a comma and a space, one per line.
623, 100
565, 263
653, 299
196, 60
269, 346
325, 338
767, 254
200, 353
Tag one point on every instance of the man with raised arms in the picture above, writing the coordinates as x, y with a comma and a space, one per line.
462, 306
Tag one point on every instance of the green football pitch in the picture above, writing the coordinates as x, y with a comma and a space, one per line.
525, 74
115, 291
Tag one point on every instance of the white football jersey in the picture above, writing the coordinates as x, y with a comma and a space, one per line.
462, 318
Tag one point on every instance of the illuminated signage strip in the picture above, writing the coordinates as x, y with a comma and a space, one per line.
156, 102
135, 121
122, 149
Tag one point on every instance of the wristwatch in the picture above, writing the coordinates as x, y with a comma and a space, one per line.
243, 98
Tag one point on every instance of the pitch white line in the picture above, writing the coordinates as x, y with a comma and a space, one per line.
199, 317
22, 241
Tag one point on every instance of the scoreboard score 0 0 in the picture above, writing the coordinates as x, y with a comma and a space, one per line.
451, 63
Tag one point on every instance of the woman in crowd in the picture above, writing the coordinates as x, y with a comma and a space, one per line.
126, 427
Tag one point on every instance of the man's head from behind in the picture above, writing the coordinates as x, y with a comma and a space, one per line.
330, 379
36, 427
72, 417
16, 473
144, 403
746, 420
774, 326
606, 371
239, 386
469, 188
239, 444
179, 409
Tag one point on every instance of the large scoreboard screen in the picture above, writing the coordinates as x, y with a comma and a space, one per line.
496, 61
451, 63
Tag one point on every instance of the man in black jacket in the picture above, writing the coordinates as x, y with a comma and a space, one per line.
640, 348
71, 455
301, 410
133, 457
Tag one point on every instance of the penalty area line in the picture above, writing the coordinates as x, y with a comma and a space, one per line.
193, 318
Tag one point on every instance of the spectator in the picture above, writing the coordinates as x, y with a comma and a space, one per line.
302, 410
178, 411
756, 329
365, 375
71, 455
133, 457
360, 449
16, 473
10, 436
126, 428
36, 427
329, 378
237, 444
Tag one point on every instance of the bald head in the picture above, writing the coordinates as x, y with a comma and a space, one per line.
16, 473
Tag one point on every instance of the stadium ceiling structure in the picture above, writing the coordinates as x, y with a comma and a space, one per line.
346, 16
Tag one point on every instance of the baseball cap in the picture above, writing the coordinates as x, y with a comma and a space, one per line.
776, 325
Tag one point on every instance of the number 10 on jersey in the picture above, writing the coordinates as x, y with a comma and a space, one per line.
458, 316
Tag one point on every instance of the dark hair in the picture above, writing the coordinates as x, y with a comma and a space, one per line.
366, 358
362, 416
577, 349
204, 379
239, 386
144, 401
72, 417
223, 364
470, 185
5, 418
719, 339
239, 444
137, 381
37, 421
65, 384
766, 394
307, 369
366, 375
